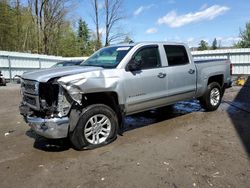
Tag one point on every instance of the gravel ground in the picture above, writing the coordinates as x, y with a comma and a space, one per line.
179, 147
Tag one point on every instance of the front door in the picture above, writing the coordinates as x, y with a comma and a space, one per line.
144, 88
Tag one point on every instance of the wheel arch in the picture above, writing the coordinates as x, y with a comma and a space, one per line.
107, 98
219, 78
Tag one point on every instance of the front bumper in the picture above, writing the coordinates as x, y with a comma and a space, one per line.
48, 128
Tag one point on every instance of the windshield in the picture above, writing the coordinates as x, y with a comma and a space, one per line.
108, 57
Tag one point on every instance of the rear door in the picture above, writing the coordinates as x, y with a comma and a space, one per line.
181, 73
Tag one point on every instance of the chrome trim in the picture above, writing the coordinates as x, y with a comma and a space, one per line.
30, 86
50, 128
35, 107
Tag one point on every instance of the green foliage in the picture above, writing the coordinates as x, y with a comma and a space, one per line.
203, 45
68, 43
245, 37
6, 29
97, 44
83, 31
214, 44
16, 28
83, 35
20, 32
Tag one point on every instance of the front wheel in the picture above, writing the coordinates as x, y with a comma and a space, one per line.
211, 100
97, 126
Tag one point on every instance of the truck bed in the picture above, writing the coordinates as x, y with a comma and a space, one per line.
207, 68
208, 60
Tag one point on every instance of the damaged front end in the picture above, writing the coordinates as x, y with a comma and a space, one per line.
52, 108
46, 106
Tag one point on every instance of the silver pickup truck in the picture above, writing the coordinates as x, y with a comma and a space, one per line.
87, 103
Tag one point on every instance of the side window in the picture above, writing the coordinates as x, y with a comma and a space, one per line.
176, 54
149, 58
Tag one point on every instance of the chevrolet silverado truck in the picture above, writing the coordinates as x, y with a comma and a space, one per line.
88, 103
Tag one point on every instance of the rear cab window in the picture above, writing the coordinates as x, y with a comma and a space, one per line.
176, 55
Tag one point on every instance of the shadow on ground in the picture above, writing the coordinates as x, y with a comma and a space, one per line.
239, 113
131, 122
50, 145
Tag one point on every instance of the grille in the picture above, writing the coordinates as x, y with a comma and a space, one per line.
30, 86
30, 91
30, 100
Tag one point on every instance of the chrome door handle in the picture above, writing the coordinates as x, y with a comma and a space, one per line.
162, 75
191, 71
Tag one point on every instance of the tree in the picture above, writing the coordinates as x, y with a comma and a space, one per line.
214, 44
40, 26
203, 45
83, 31
18, 26
86, 45
53, 13
6, 26
48, 15
127, 39
11, 25
113, 15
36, 8
245, 37
95, 17
68, 44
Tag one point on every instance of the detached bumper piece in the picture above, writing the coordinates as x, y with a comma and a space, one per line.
49, 128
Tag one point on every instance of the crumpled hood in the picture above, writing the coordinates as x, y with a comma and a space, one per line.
46, 74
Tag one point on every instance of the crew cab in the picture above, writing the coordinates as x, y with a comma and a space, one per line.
87, 103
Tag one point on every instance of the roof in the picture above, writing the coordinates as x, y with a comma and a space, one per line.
149, 42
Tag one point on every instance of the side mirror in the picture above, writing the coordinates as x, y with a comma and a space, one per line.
133, 65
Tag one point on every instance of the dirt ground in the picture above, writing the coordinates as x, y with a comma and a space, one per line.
179, 147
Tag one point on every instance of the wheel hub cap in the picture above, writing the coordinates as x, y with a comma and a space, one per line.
215, 96
97, 129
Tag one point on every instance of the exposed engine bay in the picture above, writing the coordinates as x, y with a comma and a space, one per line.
45, 99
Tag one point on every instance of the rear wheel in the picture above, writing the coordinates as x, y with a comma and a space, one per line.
211, 100
97, 126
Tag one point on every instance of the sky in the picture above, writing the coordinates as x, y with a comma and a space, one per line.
188, 21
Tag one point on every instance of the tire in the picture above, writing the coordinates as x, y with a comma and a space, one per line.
97, 126
211, 100
3, 82
166, 109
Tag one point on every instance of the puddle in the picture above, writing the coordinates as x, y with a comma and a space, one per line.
161, 114
185, 107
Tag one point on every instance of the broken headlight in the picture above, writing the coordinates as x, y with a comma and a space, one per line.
72, 85
64, 105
